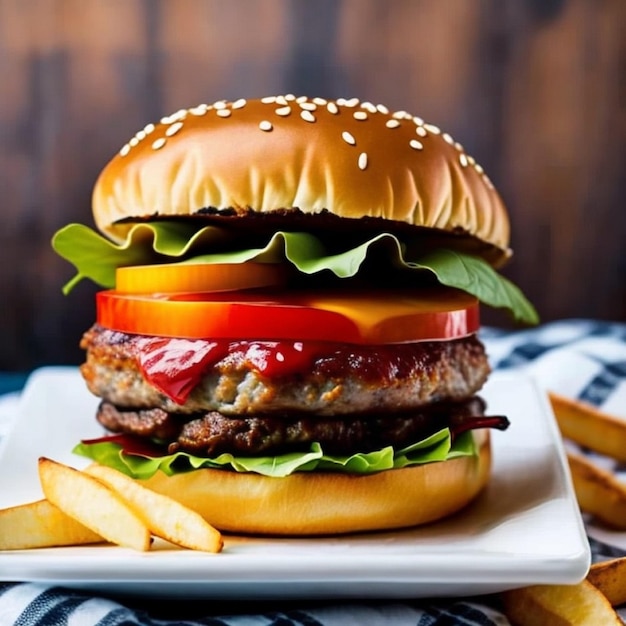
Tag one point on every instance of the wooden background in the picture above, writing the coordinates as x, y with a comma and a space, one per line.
535, 89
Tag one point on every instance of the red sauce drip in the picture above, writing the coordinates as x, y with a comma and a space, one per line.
176, 366
277, 358
130, 444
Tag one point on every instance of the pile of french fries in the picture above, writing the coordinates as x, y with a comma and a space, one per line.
97, 505
598, 491
603, 496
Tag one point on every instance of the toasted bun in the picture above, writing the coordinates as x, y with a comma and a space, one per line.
325, 504
284, 155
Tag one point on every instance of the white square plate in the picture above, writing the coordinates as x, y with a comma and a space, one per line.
525, 528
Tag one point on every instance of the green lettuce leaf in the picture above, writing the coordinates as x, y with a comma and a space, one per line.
436, 447
97, 258
472, 274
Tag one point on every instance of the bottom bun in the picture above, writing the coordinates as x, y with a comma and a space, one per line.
323, 503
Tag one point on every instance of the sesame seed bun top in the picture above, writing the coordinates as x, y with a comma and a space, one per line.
283, 154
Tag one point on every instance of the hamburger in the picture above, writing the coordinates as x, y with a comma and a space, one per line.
286, 338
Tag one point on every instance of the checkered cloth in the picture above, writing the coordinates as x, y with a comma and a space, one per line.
576, 358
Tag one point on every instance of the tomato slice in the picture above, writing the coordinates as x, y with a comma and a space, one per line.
373, 317
183, 277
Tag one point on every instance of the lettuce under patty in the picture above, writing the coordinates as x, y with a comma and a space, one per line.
440, 446
96, 258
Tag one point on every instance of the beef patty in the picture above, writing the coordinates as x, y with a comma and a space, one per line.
342, 379
212, 434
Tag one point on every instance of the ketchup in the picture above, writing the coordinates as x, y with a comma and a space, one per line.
176, 366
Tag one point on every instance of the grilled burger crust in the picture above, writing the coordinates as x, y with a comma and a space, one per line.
212, 434
344, 380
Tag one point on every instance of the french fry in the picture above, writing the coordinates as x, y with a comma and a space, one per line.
165, 517
610, 578
598, 491
589, 427
93, 504
559, 605
40, 525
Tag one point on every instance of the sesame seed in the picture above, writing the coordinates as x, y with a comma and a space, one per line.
166, 120
421, 131
181, 114
332, 108
301, 99
448, 139
478, 168
125, 150
320, 101
471, 160
392, 123
416, 145
173, 129
265, 125
224, 112
308, 106
348, 138
362, 160
238, 104
307, 116
133, 142
359, 115
341, 102
368, 106
149, 128
199, 110
141, 134
281, 100
435, 130
399, 115
268, 99
283, 111
220, 104
381, 108
159, 143
289, 97
352, 102
463, 160
458, 146
418, 120
488, 182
